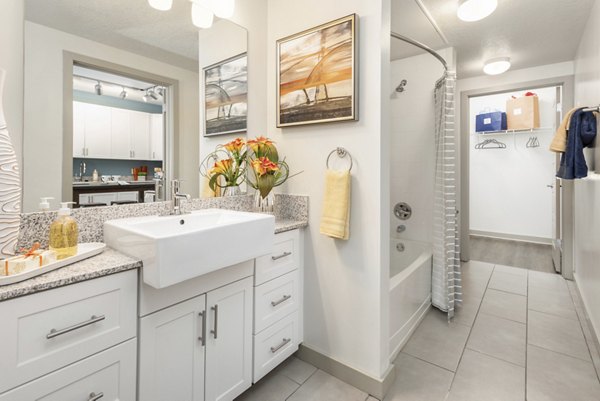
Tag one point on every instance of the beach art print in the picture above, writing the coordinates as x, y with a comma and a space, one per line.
316, 74
226, 96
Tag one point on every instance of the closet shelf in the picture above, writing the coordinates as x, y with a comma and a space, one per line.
514, 131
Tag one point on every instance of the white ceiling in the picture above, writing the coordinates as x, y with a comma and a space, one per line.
131, 25
530, 32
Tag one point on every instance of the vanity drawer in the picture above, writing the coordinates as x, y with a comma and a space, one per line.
274, 345
46, 331
109, 375
275, 299
284, 258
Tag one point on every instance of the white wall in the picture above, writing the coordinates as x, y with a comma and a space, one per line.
413, 141
11, 60
346, 282
587, 191
43, 108
509, 195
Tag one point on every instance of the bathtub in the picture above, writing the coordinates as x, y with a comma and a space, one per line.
410, 289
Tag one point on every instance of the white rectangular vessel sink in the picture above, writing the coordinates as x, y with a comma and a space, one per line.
180, 247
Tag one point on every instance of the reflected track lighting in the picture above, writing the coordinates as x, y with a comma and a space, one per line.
98, 88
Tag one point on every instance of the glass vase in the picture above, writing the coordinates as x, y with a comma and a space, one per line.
266, 204
233, 190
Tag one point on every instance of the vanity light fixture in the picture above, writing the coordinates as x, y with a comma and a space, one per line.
475, 10
162, 5
497, 66
123, 94
98, 88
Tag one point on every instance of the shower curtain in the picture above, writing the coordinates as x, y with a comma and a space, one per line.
446, 291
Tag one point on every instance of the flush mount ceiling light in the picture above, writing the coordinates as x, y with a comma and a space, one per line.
98, 88
496, 66
475, 10
202, 16
162, 5
222, 8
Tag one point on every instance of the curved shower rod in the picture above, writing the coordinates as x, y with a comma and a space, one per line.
422, 46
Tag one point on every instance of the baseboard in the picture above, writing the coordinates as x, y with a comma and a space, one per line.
378, 388
512, 237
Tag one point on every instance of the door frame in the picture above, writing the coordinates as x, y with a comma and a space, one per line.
568, 92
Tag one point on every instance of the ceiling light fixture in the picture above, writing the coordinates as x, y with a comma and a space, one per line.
146, 97
162, 5
152, 94
222, 8
202, 16
497, 66
98, 88
123, 94
475, 10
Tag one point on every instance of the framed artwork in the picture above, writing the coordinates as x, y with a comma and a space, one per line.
317, 74
226, 96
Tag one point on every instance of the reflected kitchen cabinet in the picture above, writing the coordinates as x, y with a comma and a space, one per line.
156, 137
91, 125
140, 135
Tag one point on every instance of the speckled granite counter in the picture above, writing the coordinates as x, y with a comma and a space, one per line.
283, 225
108, 262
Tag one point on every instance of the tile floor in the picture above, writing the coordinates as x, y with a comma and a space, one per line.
517, 337
512, 253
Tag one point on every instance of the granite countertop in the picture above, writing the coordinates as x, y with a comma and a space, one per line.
108, 262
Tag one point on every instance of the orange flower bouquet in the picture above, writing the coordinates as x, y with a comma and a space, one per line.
228, 169
266, 172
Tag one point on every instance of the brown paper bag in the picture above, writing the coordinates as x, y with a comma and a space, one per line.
523, 113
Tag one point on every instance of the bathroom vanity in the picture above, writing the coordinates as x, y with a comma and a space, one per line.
110, 336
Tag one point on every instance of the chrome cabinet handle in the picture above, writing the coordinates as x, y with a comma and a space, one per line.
202, 337
282, 300
95, 397
284, 342
55, 333
215, 327
283, 255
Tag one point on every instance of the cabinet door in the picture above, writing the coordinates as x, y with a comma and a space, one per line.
97, 131
120, 134
140, 135
103, 198
229, 341
128, 196
78, 129
156, 137
171, 363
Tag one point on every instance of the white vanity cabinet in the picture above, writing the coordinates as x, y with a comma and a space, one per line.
199, 349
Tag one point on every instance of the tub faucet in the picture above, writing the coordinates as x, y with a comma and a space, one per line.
401, 228
177, 197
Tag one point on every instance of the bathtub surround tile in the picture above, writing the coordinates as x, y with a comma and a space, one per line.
506, 305
508, 282
557, 334
482, 377
438, 341
552, 302
500, 338
556, 377
296, 369
322, 386
273, 387
417, 380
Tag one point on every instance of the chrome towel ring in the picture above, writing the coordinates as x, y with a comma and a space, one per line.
341, 153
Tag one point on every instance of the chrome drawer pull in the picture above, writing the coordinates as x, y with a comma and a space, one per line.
55, 333
214, 331
203, 337
280, 346
285, 298
95, 397
283, 255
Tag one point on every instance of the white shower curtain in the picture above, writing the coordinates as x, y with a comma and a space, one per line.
446, 277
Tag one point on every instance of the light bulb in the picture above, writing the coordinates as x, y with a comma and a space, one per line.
162, 5
475, 10
202, 17
497, 66
223, 8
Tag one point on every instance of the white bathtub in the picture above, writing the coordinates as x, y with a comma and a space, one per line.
410, 290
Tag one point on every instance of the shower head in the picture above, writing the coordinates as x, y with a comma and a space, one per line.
400, 88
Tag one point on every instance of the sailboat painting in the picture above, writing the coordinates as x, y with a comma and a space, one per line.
317, 74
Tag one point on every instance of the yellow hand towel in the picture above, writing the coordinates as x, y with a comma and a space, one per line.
335, 218
559, 143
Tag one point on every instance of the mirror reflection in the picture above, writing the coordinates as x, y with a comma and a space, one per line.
114, 98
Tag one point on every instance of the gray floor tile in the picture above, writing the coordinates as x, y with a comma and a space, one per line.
322, 386
296, 369
273, 387
506, 305
557, 334
512, 253
465, 313
519, 271
508, 282
586, 324
475, 268
500, 338
437, 341
371, 398
552, 302
484, 378
556, 377
418, 381
551, 281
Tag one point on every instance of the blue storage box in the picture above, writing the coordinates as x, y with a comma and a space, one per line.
493, 121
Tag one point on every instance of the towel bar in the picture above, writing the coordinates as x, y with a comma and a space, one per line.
341, 153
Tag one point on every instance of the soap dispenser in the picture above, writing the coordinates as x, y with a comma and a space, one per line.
64, 233
44, 204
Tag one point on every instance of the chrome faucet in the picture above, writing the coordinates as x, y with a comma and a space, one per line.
82, 167
177, 197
